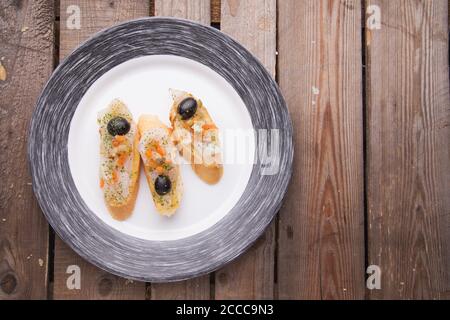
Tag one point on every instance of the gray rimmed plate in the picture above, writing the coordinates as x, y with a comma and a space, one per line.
138, 62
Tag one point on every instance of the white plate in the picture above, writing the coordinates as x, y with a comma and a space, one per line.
143, 85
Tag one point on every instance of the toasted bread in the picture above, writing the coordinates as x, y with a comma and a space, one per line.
197, 138
160, 159
119, 157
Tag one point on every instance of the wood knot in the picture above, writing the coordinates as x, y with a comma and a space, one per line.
105, 286
8, 283
264, 24
18, 4
233, 6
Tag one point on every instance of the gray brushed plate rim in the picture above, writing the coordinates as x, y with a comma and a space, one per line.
108, 248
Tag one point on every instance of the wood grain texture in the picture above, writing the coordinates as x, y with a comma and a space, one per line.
408, 117
198, 288
95, 16
95, 283
321, 224
196, 10
215, 11
26, 53
194, 289
152, 8
253, 24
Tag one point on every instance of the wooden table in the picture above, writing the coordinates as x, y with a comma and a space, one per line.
371, 183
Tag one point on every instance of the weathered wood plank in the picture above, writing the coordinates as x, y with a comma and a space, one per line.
199, 288
408, 161
95, 16
253, 24
95, 283
197, 10
215, 11
26, 53
194, 289
321, 224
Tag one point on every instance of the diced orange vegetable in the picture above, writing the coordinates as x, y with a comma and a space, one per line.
118, 140
148, 153
209, 126
102, 183
115, 177
160, 150
152, 163
159, 170
122, 159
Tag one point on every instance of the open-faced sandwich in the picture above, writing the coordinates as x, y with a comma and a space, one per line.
160, 164
119, 159
196, 136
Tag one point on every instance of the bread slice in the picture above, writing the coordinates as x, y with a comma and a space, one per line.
119, 162
197, 139
160, 158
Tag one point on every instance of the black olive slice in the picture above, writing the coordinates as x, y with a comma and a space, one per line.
187, 108
162, 185
118, 126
